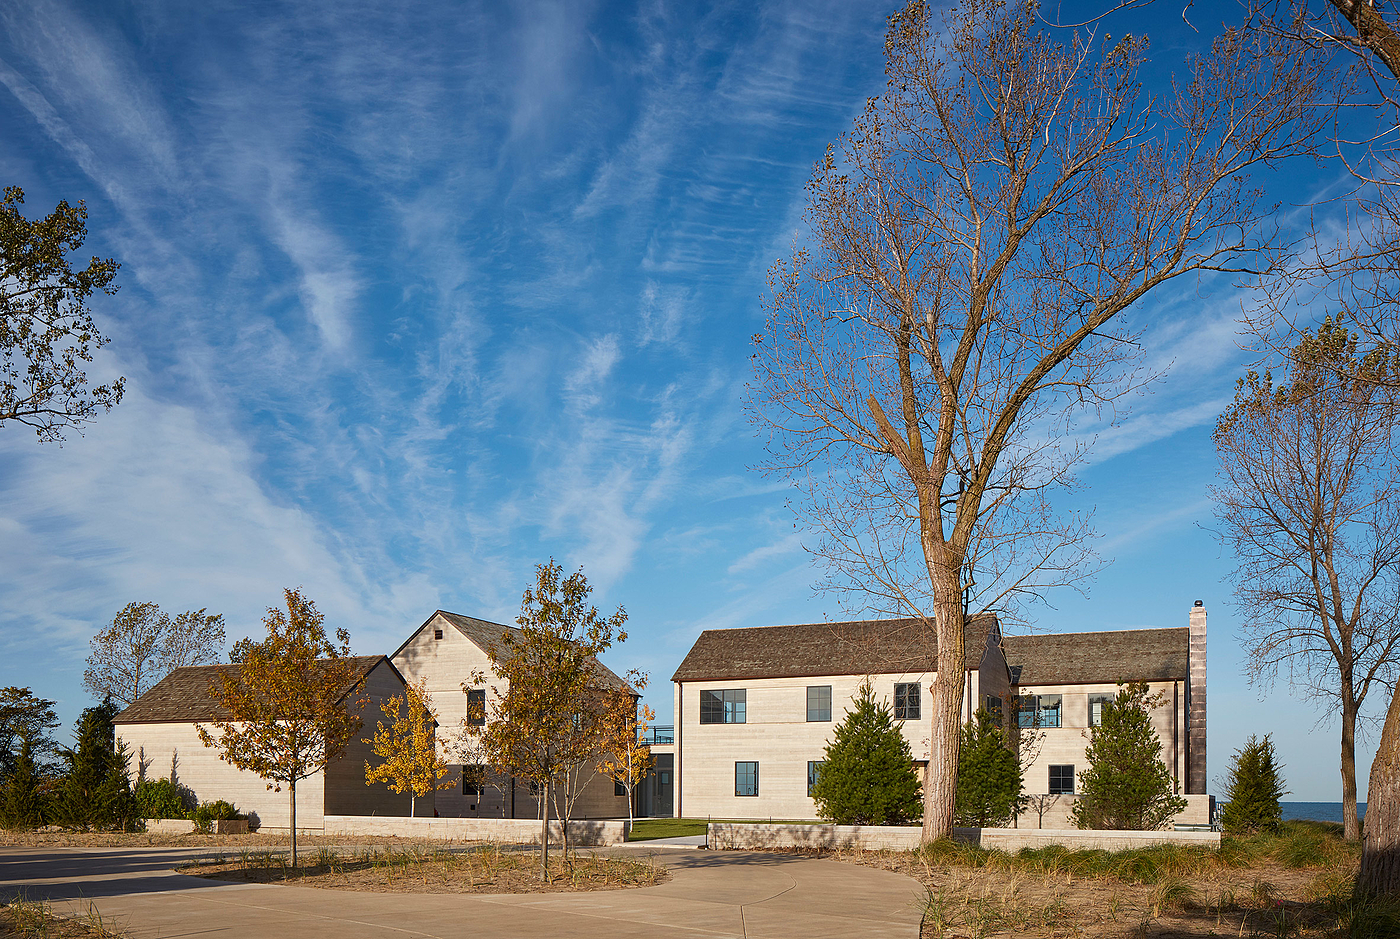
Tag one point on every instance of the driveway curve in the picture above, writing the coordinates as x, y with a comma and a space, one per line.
744, 894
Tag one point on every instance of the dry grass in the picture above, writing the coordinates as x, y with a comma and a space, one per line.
35, 919
1295, 885
486, 868
57, 838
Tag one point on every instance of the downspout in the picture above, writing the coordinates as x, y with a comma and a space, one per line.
1176, 706
679, 721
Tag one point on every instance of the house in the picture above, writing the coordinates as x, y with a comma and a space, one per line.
755, 707
449, 650
160, 728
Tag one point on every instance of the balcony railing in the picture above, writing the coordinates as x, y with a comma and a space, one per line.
661, 733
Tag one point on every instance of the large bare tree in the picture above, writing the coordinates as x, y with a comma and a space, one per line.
1307, 502
142, 644
952, 316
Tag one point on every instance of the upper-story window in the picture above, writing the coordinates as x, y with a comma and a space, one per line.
906, 701
1039, 710
476, 707
723, 707
1096, 703
993, 705
818, 702
437, 633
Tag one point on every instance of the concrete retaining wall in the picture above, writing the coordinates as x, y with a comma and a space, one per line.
880, 837
500, 830
169, 826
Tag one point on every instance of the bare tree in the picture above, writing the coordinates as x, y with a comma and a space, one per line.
974, 236
1307, 503
143, 644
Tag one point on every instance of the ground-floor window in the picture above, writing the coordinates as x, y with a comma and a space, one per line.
814, 772
746, 778
473, 775
1061, 780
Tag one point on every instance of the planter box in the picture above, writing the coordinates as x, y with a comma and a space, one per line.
169, 826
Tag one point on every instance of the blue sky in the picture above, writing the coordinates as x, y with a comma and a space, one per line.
415, 296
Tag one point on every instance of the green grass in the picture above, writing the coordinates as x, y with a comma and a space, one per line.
649, 829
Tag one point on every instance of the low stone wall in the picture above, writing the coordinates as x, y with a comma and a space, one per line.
169, 826
880, 837
501, 830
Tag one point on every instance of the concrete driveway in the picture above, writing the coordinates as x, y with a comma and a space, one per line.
711, 894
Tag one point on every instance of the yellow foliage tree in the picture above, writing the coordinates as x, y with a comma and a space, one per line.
411, 762
625, 756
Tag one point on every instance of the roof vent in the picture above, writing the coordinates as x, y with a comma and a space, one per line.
1200, 603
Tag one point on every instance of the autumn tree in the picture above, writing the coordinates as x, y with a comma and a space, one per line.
47, 332
293, 702
1308, 504
143, 644
407, 748
953, 316
626, 757
547, 714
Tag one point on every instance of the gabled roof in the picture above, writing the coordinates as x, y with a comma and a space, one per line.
858, 647
183, 695
1101, 657
488, 636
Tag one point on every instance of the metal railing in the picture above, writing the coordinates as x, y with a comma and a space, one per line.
661, 733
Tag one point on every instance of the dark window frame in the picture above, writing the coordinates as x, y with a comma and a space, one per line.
473, 779
619, 788
724, 706
818, 709
437, 633
814, 772
1038, 714
476, 707
1101, 698
1058, 774
741, 781
907, 701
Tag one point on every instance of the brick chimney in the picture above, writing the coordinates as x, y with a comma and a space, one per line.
1196, 702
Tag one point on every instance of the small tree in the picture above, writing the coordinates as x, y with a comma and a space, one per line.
626, 757
143, 644
867, 775
23, 716
989, 775
115, 804
408, 748
549, 723
78, 803
22, 807
291, 702
1254, 789
1127, 786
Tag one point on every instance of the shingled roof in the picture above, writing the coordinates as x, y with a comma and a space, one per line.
183, 695
1103, 657
858, 647
488, 636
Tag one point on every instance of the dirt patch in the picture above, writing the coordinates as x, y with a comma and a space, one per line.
482, 869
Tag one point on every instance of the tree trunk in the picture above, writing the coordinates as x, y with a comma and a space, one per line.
544, 835
945, 737
1380, 856
292, 788
1351, 828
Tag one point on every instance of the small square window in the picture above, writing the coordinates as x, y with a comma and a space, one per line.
906, 701
1096, 703
1061, 780
437, 633
814, 772
818, 702
746, 779
476, 707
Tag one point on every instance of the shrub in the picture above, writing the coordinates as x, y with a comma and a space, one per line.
163, 798
1127, 786
989, 775
867, 777
209, 812
1254, 790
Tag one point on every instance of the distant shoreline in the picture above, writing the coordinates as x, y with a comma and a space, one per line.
1318, 811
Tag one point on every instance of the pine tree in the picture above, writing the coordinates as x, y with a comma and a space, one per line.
867, 777
114, 803
1127, 786
77, 803
21, 807
989, 775
1254, 789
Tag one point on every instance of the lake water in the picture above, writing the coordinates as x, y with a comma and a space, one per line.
1318, 811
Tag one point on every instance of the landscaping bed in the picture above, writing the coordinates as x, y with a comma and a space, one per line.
483, 869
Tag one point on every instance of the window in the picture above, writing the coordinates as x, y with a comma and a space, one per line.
1061, 780
473, 774
906, 701
476, 707
993, 706
1038, 710
814, 772
437, 633
1096, 703
818, 702
722, 707
618, 788
746, 779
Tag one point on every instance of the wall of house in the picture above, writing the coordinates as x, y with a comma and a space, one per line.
778, 736
346, 792
157, 749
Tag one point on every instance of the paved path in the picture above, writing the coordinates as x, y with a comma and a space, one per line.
710, 894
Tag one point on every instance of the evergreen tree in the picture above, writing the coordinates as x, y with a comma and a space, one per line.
868, 775
115, 804
77, 803
1127, 787
989, 775
21, 806
1254, 789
